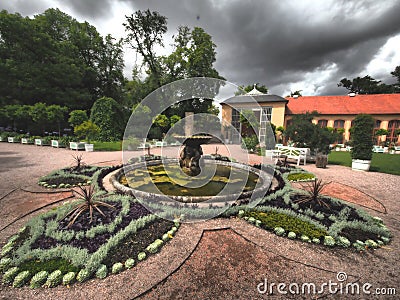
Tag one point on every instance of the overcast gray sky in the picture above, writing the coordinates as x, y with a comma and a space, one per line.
286, 45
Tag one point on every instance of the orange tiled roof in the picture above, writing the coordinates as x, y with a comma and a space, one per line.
345, 105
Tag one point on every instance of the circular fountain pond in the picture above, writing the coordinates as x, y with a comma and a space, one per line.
219, 181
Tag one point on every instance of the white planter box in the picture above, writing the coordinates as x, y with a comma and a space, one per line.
360, 165
26, 141
76, 146
89, 147
56, 144
12, 139
41, 142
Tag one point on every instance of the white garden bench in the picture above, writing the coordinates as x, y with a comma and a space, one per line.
298, 154
378, 149
161, 144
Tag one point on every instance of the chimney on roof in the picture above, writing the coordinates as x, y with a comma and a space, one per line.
295, 96
352, 94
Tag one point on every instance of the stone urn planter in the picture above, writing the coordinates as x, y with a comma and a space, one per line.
321, 160
360, 164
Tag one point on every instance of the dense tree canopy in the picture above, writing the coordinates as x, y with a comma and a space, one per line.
303, 133
57, 60
369, 85
193, 56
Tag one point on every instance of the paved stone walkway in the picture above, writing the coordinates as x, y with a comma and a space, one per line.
217, 259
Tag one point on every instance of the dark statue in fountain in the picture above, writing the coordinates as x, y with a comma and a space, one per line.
189, 158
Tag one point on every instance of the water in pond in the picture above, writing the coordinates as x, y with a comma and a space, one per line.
213, 180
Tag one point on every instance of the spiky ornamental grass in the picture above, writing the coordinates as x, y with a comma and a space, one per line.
78, 159
314, 190
89, 203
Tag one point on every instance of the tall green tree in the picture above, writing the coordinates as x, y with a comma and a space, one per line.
108, 115
57, 60
396, 74
366, 85
303, 133
145, 32
77, 117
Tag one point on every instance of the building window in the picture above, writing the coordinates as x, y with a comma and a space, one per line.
376, 128
322, 123
338, 125
236, 124
392, 127
266, 114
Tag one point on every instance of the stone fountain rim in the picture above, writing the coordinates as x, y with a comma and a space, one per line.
263, 175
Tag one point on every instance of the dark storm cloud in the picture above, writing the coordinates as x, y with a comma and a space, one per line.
272, 43
24, 7
275, 42
89, 8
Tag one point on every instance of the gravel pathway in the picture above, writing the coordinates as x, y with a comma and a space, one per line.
217, 259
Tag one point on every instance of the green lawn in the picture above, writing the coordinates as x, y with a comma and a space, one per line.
107, 146
381, 162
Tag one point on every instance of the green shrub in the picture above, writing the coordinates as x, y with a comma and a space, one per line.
21, 279
329, 241
117, 267
87, 130
54, 279
371, 244
34, 266
305, 238
129, 263
251, 220
363, 126
7, 248
155, 246
141, 256
315, 241
101, 272
300, 177
359, 245
166, 237
10, 274
38, 279
68, 278
291, 235
83, 275
250, 142
107, 114
4, 263
272, 219
343, 241
279, 231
